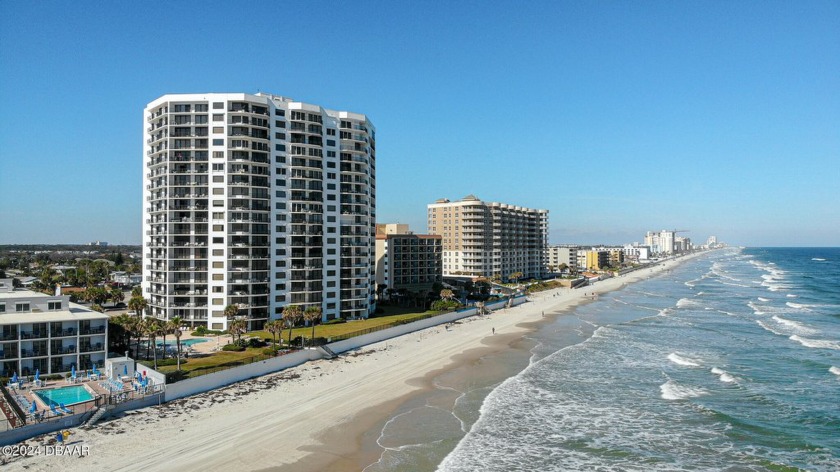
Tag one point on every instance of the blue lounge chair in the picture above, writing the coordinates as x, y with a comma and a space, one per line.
65, 409
54, 411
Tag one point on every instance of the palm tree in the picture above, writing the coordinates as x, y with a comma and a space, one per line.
164, 330
122, 321
231, 311
137, 291
47, 279
175, 327
237, 327
95, 295
291, 315
116, 295
446, 294
138, 305
152, 329
312, 314
132, 327
274, 327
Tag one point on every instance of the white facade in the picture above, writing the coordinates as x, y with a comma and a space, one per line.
636, 253
667, 242
660, 242
256, 201
47, 333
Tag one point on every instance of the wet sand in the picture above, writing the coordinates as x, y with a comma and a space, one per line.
323, 415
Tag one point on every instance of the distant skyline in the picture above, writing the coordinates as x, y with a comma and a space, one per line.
722, 118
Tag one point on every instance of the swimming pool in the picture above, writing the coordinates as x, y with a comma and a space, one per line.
66, 395
185, 342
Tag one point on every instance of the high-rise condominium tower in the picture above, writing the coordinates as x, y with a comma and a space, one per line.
490, 239
256, 201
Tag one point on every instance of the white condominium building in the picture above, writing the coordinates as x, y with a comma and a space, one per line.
667, 242
48, 334
660, 242
490, 239
256, 201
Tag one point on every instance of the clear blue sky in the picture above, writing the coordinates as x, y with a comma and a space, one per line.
618, 117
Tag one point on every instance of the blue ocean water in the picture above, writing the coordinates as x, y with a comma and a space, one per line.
729, 362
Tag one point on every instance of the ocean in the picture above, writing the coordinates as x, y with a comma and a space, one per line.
730, 361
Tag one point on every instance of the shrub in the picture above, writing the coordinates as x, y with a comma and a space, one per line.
175, 376
318, 341
444, 305
335, 321
233, 347
270, 351
256, 342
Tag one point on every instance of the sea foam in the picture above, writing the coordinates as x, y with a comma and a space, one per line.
673, 391
798, 306
723, 375
769, 328
796, 326
816, 343
834, 370
677, 359
756, 309
686, 303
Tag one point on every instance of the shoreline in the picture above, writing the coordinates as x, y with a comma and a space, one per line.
493, 346
320, 415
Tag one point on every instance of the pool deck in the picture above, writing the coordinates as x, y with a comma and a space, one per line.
213, 344
92, 383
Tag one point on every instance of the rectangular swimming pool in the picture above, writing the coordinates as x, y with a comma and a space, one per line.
66, 395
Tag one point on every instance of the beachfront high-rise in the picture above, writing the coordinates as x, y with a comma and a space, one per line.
256, 201
490, 239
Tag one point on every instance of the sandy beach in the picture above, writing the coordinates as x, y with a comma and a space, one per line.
311, 417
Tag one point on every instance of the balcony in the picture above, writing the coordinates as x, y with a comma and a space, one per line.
93, 330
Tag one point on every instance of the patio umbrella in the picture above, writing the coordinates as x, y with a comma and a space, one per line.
73, 371
33, 408
14, 378
125, 370
37, 375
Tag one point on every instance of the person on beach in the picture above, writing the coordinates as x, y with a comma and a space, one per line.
494, 330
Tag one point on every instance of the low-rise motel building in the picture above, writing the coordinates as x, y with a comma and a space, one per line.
405, 260
47, 333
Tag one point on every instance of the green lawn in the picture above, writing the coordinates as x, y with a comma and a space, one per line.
227, 359
391, 315
217, 359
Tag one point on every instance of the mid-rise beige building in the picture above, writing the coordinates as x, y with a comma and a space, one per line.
405, 260
559, 256
490, 239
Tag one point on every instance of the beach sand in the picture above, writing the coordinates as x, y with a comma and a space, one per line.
313, 417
